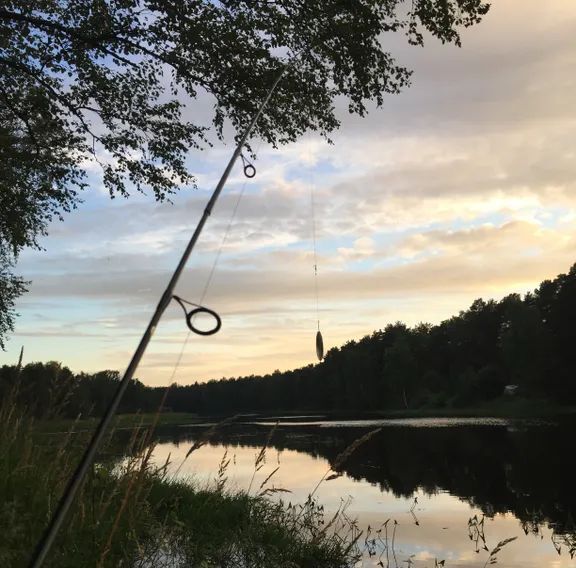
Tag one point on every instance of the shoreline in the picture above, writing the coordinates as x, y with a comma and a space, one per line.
514, 409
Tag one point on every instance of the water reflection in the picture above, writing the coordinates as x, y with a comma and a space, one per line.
454, 491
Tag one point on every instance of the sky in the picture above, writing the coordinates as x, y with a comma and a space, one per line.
463, 186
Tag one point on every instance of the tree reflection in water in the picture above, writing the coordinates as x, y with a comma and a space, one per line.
517, 467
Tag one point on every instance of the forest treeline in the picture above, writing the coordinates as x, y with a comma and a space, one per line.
466, 360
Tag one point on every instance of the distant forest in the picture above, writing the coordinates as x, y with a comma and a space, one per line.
464, 361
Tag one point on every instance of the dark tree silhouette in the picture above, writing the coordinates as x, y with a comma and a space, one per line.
463, 361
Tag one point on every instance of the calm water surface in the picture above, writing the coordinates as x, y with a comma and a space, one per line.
430, 476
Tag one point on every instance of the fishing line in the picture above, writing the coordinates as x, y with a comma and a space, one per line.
313, 215
213, 268
208, 282
319, 340
249, 172
203, 295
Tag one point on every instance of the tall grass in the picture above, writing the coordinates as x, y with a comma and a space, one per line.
131, 513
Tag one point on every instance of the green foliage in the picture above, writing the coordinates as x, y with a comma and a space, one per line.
110, 82
117, 74
50, 390
11, 287
527, 344
400, 369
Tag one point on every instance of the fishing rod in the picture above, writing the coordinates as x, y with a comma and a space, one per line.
44, 545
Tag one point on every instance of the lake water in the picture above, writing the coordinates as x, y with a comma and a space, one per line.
436, 489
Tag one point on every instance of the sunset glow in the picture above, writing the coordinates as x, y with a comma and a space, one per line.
464, 186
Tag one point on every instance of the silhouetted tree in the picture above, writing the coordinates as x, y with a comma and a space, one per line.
465, 360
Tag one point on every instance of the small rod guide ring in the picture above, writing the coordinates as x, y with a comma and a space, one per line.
249, 169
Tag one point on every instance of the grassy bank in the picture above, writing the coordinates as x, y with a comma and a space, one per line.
131, 513
120, 422
500, 408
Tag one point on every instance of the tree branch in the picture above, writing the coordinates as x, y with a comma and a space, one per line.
95, 42
42, 23
55, 95
24, 120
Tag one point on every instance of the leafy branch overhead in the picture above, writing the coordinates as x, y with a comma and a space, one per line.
112, 79
113, 82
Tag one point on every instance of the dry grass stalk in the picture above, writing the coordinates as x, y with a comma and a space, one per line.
344, 456
129, 467
221, 477
136, 477
335, 517
135, 484
494, 552
270, 475
205, 438
261, 457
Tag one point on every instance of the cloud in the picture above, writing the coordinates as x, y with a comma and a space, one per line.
518, 239
362, 248
428, 262
501, 77
463, 186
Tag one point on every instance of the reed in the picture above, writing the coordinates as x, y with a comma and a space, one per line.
131, 512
